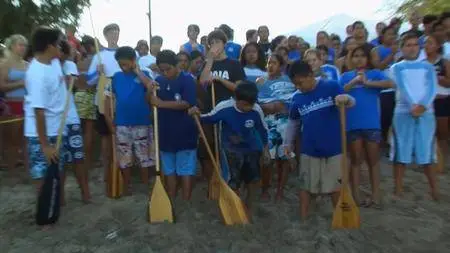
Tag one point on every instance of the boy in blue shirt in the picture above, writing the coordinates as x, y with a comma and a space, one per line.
178, 133
315, 106
131, 124
244, 135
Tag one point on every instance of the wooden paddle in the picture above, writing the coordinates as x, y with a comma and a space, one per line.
114, 181
231, 207
48, 204
346, 214
214, 190
159, 207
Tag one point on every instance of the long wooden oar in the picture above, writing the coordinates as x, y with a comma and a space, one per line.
214, 190
346, 214
159, 207
48, 205
231, 207
115, 180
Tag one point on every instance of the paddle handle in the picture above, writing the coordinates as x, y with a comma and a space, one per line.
205, 141
343, 121
97, 47
66, 110
216, 138
156, 134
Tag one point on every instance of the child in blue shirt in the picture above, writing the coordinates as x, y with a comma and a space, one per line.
244, 135
131, 124
315, 106
178, 133
363, 123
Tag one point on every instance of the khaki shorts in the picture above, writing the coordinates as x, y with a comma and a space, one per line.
320, 175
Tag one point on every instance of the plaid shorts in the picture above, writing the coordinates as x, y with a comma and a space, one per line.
137, 140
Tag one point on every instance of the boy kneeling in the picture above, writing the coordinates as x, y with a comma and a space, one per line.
315, 105
243, 135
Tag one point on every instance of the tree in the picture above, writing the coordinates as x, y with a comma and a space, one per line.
22, 16
423, 6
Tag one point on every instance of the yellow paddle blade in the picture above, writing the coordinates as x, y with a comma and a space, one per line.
231, 207
439, 166
115, 183
102, 83
160, 208
346, 214
214, 186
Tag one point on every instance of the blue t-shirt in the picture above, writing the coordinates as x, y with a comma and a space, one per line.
280, 89
366, 113
132, 108
241, 131
375, 42
177, 130
252, 73
330, 72
331, 55
321, 135
294, 55
233, 50
187, 47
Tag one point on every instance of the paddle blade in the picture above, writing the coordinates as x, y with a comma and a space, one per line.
48, 205
232, 208
115, 182
102, 82
160, 208
346, 214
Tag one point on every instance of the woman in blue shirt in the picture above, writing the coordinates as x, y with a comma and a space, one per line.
363, 121
253, 61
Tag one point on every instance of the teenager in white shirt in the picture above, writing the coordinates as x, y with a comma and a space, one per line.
73, 139
44, 104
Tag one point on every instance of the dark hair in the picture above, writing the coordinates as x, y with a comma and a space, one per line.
324, 33
195, 27
323, 48
344, 50
436, 24
156, 40
168, 57
276, 41
227, 30
384, 31
279, 58
65, 47
217, 35
250, 33
195, 54
444, 15
141, 43
440, 49
43, 37
300, 68
335, 37
358, 23
246, 91
260, 62
261, 27
366, 54
185, 54
428, 19
406, 37
110, 27
87, 41
282, 48
125, 53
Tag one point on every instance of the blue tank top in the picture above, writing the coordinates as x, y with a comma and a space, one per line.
188, 48
16, 75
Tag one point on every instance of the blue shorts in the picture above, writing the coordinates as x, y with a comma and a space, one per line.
181, 163
73, 144
413, 137
370, 135
36, 157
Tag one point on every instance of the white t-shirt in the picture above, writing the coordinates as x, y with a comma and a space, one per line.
446, 49
70, 69
46, 90
145, 62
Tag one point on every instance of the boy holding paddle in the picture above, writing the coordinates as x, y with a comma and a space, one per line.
315, 105
44, 106
244, 135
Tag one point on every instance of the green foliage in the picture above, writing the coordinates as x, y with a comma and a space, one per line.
22, 16
423, 6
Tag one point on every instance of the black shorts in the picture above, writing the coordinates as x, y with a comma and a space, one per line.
243, 167
442, 107
101, 126
202, 152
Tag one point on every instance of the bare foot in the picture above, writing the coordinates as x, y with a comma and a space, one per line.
435, 195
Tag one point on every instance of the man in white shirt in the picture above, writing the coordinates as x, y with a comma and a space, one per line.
44, 104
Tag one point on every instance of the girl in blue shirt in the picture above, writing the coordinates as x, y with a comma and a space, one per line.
363, 121
253, 61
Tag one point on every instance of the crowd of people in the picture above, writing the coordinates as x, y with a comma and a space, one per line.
262, 105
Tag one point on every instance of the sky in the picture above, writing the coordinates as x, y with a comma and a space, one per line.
170, 18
